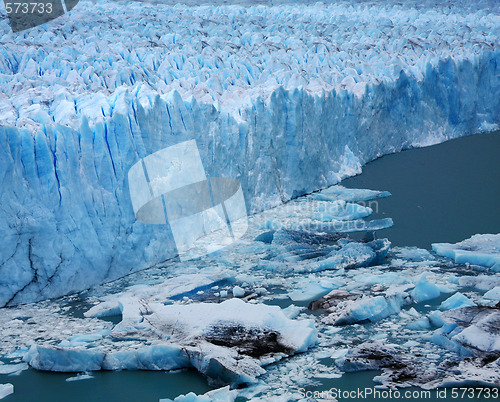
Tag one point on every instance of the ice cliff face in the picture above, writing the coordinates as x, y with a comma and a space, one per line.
287, 99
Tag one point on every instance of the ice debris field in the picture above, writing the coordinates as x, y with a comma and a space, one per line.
86, 96
420, 318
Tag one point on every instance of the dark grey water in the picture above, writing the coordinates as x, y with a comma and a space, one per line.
440, 194
443, 193
106, 386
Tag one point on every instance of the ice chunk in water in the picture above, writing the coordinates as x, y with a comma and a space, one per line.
493, 294
425, 291
6, 389
458, 300
480, 249
349, 194
224, 394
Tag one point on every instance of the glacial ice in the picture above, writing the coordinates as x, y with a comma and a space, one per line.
493, 294
12, 368
80, 377
472, 327
238, 291
313, 288
341, 193
228, 341
6, 389
458, 300
424, 290
87, 95
224, 394
480, 249
371, 302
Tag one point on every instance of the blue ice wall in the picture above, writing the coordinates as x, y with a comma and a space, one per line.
66, 218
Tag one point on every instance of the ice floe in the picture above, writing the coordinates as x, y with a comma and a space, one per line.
480, 249
5, 390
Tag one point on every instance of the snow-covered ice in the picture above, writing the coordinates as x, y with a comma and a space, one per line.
258, 87
158, 323
228, 341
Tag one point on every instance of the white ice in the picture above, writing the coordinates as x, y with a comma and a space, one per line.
5, 390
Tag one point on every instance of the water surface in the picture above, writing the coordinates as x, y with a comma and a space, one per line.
440, 194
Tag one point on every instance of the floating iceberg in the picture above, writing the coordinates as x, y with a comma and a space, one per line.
458, 300
480, 249
224, 394
5, 390
228, 341
347, 194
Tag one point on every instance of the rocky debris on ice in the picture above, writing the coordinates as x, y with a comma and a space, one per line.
403, 368
347, 308
229, 342
480, 249
397, 367
476, 328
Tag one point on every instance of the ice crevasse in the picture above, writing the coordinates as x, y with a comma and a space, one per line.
286, 99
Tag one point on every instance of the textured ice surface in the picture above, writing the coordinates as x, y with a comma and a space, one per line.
474, 328
480, 249
458, 300
87, 95
493, 294
228, 341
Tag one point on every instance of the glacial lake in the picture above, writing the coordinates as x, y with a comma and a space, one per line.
442, 193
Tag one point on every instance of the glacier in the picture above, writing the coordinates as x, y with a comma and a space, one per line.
258, 87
